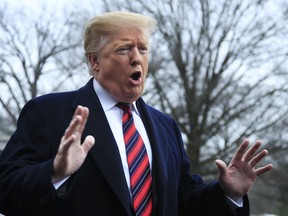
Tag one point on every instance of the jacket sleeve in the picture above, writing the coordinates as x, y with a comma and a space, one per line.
26, 164
196, 195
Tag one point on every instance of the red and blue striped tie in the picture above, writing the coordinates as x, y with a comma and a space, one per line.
140, 177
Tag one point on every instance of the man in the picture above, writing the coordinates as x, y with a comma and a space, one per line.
88, 170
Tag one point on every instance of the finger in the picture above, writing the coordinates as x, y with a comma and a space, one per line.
72, 126
221, 167
78, 111
241, 150
77, 123
251, 151
256, 159
73, 123
84, 116
66, 143
264, 169
88, 143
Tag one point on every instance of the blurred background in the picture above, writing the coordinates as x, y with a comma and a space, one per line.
219, 68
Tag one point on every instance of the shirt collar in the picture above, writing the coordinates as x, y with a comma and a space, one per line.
106, 99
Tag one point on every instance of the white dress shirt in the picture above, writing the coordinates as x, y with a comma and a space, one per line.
114, 117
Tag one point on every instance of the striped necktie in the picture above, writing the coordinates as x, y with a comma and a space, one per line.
139, 168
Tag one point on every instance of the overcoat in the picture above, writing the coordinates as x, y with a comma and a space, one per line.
99, 186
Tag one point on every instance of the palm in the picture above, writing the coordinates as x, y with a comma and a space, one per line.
239, 176
71, 153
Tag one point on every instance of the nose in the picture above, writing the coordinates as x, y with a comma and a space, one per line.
135, 57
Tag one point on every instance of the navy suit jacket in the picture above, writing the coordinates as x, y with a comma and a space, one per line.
99, 186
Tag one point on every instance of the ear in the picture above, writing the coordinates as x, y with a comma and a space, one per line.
93, 61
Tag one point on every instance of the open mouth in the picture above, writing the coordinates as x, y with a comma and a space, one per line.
136, 76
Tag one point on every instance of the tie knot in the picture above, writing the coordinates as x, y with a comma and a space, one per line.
124, 106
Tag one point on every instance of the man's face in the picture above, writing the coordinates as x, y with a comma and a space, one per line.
122, 64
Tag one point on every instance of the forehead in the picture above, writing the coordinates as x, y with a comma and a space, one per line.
133, 35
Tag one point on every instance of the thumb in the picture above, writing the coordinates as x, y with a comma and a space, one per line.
88, 143
221, 167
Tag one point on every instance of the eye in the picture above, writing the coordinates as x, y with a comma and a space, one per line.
123, 50
143, 50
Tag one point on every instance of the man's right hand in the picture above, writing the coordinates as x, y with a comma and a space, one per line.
71, 153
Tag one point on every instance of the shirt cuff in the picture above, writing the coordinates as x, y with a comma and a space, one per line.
59, 183
237, 203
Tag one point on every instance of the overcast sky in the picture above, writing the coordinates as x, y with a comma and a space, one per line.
35, 5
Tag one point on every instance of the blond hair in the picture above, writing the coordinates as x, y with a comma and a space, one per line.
100, 27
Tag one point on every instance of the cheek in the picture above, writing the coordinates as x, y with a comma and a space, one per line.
146, 64
112, 76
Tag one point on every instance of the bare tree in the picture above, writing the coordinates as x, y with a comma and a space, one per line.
217, 68
275, 183
40, 51
223, 64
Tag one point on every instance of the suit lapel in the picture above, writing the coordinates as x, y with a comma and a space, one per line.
106, 155
158, 140
105, 151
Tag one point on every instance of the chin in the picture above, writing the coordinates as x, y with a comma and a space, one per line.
132, 98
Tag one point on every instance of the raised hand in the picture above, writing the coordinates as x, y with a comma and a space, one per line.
71, 153
241, 173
